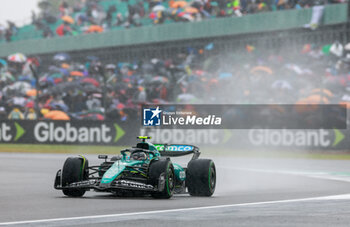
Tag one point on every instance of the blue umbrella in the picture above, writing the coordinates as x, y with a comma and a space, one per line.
59, 106
64, 72
92, 58
3, 62
225, 75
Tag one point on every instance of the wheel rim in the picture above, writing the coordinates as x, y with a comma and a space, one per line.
212, 178
170, 181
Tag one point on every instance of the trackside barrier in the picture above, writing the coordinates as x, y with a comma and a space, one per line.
124, 133
68, 132
255, 139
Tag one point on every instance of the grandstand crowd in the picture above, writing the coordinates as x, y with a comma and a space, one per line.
88, 88
95, 16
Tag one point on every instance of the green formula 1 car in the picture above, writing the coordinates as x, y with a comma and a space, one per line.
142, 170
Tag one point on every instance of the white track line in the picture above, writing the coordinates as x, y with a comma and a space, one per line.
318, 175
42, 221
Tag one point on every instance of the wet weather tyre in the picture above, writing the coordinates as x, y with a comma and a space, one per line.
74, 169
201, 177
158, 169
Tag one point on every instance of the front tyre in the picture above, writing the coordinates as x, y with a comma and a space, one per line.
201, 177
161, 173
75, 169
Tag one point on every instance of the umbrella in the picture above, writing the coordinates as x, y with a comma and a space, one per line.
57, 115
261, 69
59, 106
347, 46
326, 49
89, 88
225, 75
346, 103
178, 4
186, 98
17, 57
56, 75
158, 8
186, 16
153, 15
159, 79
322, 91
30, 104
191, 10
94, 28
110, 66
337, 49
3, 62
345, 100
92, 58
68, 19
61, 57
91, 81
19, 86
76, 73
314, 100
282, 85
18, 101
92, 116
31, 92
6, 76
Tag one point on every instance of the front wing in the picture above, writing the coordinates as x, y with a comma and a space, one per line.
120, 184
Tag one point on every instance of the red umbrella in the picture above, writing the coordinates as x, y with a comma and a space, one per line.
30, 104
91, 81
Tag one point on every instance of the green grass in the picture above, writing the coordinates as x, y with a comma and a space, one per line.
207, 151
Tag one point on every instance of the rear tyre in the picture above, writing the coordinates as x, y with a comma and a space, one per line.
201, 177
75, 169
162, 169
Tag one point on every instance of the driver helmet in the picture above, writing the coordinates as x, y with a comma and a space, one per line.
139, 156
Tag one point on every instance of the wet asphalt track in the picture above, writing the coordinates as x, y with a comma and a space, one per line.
254, 192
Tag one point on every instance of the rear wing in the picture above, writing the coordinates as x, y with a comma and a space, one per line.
175, 150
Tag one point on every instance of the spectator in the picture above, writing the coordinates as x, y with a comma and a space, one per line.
64, 9
317, 14
64, 29
88, 12
16, 114
31, 115
109, 15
